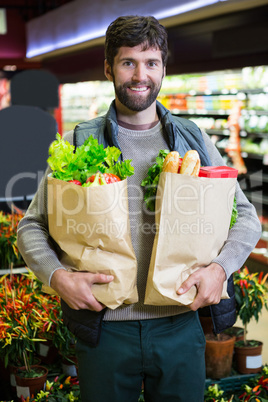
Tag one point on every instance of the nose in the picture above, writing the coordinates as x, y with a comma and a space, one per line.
139, 73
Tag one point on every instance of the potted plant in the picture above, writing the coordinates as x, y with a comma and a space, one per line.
18, 323
18, 319
219, 355
219, 348
30, 379
251, 297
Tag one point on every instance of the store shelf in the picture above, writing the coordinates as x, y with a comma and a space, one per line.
251, 155
224, 132
249, 112
254, 134
19, 270
233, 91
201, 112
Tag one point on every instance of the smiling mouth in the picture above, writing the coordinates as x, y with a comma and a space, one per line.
139, 89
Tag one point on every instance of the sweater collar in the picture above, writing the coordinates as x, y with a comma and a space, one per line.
164, 116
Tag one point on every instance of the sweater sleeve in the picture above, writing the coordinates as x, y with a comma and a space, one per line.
39, 251
246, 232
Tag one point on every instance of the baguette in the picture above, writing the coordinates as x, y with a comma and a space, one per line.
172, 162
190, 163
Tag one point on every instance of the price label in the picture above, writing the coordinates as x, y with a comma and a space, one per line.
12, 380
43, 350
23, 391
265, 159
253, 362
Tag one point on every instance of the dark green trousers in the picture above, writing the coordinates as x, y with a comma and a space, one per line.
166, 353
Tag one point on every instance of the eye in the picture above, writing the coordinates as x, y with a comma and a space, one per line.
128, 63
153, 64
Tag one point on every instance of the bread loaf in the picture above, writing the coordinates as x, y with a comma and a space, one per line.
172, 162
190, 163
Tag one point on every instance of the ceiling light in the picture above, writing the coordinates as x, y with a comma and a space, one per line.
10, 68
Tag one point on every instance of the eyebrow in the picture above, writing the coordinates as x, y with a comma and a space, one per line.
132, 59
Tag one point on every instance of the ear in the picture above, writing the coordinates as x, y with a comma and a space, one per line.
108, 71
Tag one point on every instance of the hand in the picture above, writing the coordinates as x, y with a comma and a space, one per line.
75, 288
209, 283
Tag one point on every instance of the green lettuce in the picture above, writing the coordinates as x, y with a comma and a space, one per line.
234, 214
68, 163
151, 180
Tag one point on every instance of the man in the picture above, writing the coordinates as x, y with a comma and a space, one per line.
162, 346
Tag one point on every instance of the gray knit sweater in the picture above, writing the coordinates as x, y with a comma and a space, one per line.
142, 146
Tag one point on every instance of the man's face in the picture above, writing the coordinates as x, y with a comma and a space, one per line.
137, 76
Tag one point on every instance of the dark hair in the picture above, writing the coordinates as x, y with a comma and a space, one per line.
134, 30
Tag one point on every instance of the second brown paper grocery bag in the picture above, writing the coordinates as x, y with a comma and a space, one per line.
91, 227
192, 218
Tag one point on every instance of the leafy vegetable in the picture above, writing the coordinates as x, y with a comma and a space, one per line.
68, 163
234, 214
61, 156
151, 181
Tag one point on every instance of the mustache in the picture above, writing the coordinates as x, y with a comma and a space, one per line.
135, 83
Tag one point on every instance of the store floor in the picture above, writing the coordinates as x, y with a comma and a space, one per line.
259, 332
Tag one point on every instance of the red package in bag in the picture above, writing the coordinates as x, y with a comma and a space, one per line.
218, 172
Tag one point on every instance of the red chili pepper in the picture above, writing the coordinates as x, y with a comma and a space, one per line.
256, 388
77, 182
260, 277
180, 162
108, 177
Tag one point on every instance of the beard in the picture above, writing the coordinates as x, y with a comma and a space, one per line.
136, 103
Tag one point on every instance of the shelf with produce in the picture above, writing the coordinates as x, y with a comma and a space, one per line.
223, 91
83, 101
244, 154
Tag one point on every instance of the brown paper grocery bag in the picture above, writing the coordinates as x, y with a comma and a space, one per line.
91, 226
192, 218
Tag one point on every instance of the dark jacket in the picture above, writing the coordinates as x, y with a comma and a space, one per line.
182, 135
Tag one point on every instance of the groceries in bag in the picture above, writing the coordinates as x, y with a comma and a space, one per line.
90, 221
192, 216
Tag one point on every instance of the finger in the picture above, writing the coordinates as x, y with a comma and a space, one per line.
102, 278
94, 305
186, 285
197, 303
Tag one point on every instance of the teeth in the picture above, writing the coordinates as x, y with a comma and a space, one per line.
138, 89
